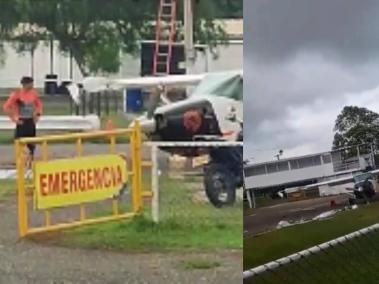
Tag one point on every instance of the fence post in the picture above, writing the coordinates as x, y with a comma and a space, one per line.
99, 104
22, 210
90, 103
116, 101
107, 94
71, 105
84, 103
155, 183
136, 165
139, 164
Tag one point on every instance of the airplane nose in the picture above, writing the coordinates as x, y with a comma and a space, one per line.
147, 125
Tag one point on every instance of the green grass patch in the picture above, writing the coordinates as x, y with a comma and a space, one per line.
183, 225
353, 262
273, 245
194, 264
118, 121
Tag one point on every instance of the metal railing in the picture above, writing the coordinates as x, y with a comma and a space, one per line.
352, 258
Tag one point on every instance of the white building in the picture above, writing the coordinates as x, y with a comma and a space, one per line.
302, 170
16, 65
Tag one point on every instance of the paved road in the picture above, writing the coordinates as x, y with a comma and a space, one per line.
23, 261
7, 156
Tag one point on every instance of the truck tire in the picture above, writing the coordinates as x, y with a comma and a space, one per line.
219, 185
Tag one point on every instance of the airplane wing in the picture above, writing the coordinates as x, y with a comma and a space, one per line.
331, 182
337, 181
96, 84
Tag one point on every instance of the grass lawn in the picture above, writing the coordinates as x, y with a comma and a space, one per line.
355, 261
6, 187
273, 245
184, 225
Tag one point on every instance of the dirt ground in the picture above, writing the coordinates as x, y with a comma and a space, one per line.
267, 218
24, 261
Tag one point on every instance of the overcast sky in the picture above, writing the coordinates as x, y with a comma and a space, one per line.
304, 60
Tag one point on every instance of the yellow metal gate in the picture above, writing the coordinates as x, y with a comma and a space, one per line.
52, 191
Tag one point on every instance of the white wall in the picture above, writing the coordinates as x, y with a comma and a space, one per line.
16, 66
273, 179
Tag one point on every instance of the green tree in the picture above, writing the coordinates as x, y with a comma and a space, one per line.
96, 31
354, 126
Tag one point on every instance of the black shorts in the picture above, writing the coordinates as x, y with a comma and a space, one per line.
26, 129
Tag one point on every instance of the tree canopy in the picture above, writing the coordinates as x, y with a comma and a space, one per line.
96, 31
354, 126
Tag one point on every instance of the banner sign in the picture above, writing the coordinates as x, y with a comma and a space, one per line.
64, 182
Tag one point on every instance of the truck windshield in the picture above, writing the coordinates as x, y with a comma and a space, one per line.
362, 177
223, 84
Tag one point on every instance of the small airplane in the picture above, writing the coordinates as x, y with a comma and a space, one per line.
363, 187
213, 111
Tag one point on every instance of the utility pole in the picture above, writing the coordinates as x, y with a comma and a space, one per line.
32, 62
188, 35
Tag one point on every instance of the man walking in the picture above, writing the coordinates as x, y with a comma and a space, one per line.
24, 108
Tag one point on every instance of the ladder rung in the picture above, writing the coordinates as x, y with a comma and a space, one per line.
167, 5
162, 54
166, 16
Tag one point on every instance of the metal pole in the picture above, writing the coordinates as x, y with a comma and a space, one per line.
372, 156
51, 55
71, 68
155, 184
249, 198
32, 62
244, 188
188, 35
253, 196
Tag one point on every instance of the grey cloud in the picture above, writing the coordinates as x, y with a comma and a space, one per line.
346, 29
299, 53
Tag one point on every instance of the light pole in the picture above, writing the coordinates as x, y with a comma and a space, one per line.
188, 35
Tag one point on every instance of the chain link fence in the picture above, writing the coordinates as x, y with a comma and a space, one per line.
353, 258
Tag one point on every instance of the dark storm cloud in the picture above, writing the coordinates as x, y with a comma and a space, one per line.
343, 28
305, 54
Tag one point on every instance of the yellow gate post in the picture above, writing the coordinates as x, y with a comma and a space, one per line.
22, 208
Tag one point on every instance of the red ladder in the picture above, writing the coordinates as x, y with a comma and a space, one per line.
164, 37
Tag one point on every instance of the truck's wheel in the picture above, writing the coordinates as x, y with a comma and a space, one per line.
219, 185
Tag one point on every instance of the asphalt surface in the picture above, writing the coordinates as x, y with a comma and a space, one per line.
25, 261
7, 153
267, 218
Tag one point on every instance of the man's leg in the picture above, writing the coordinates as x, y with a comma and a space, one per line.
28, 129
31, 148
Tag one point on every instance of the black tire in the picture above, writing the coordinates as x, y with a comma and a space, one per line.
219, 185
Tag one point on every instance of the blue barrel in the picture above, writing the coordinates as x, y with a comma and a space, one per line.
134, 100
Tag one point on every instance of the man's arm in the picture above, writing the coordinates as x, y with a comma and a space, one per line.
38, 107
9, 107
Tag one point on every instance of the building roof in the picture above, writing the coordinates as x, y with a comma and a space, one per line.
287, 159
